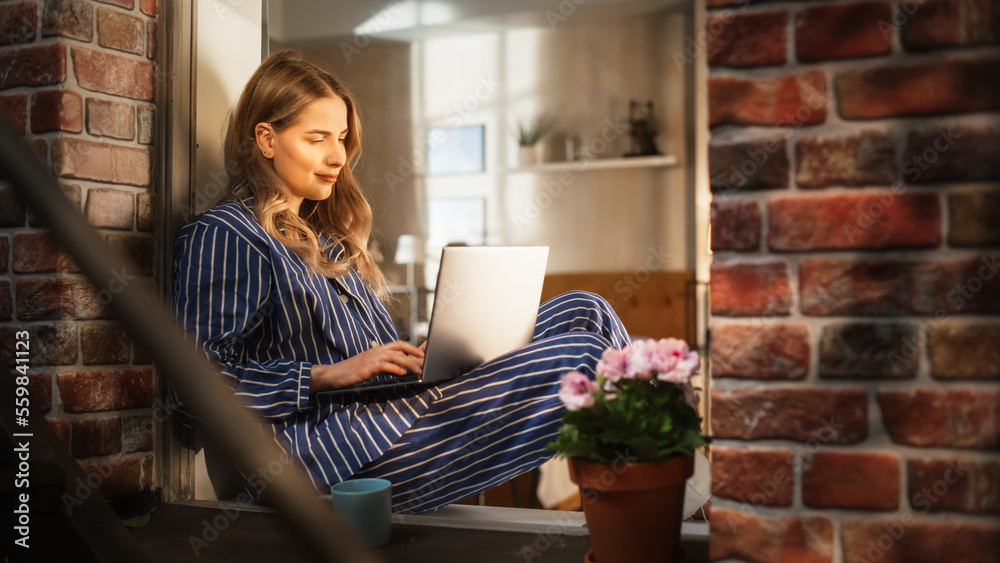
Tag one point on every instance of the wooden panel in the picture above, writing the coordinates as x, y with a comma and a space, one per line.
650, 304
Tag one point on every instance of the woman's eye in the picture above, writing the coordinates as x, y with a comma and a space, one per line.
316, 141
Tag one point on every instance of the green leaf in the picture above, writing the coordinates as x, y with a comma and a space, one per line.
644, 447
138, 521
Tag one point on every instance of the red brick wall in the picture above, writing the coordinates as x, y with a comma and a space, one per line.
77, 78
855, 290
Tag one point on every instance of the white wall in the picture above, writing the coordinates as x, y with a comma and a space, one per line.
227, 52
584, 73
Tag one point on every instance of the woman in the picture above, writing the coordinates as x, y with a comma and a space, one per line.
276, 286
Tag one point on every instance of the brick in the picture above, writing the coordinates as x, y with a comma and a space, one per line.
146, 128
760, 351
868, 481
110, 208
104, 344
968, 286
952, 154
14, 107
144, 212
55, 299
110, 119
40, 391
826, 416
972, 218
4, 253
747, 40
57, 110
863, 158
953, 418
903, 539
758, 477
965, 351
119, 31
104, 390
867, 220
869, 350
6, 301
113, 74
117, 478
959, 485
12, 209
72, 192
791, 99
895, 287
758, 164
78, 158
38, 251
54, 344
139, 355
61, 429
915, 89
139, 250
952, 23
18, 22
101, 436
138, 434
842, 31
68, 18
148, 7
151, 40
39, 146
8, 339
742, 289
747, 537
735, 224
35, 65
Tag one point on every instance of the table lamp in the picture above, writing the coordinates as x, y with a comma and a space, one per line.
409, 252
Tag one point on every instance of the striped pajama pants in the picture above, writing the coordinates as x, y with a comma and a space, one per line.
493, 423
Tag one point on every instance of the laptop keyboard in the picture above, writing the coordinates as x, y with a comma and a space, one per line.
382, 380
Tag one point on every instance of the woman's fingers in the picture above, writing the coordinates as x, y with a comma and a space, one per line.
401, 358
407, 348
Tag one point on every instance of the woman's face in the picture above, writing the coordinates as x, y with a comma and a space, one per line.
310, 153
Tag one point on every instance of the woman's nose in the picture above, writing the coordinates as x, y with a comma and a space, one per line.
338, 156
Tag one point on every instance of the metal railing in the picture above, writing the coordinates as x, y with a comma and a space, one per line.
196, 382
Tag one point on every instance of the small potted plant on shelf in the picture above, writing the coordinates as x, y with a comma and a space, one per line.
630, 437
528, 135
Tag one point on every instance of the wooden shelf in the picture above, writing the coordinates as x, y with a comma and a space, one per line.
660, 161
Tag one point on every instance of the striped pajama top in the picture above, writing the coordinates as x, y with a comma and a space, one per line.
264, 317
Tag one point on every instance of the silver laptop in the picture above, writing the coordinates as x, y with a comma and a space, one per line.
485, 305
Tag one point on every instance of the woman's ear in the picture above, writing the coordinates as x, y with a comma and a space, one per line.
264, 136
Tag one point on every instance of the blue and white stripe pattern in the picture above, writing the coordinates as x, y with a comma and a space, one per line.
264, 317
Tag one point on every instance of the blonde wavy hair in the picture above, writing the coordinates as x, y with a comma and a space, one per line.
278, 91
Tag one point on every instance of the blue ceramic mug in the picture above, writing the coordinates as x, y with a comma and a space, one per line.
366, 504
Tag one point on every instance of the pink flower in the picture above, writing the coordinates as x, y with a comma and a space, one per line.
674, 362
576, 391
640, 360
612, 364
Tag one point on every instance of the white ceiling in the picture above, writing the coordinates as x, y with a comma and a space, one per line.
314, 23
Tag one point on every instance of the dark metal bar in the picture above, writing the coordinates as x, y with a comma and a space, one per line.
54, 501
190, 373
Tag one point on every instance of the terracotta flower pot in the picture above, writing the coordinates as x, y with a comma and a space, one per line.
633, 510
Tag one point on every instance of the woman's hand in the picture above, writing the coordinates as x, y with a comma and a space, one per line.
398, 358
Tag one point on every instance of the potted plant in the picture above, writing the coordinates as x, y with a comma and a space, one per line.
528, 135
630, 437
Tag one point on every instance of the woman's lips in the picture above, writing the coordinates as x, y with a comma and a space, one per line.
329, 178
